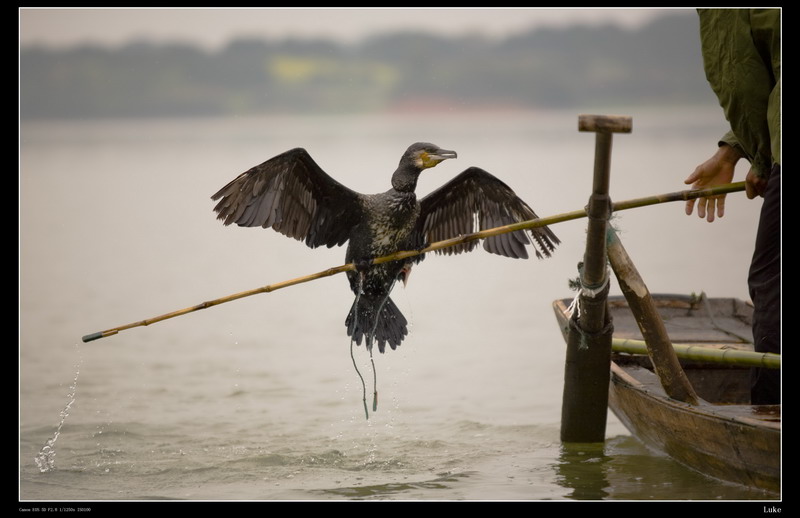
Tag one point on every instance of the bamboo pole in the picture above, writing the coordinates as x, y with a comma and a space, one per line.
534, 223
703, 353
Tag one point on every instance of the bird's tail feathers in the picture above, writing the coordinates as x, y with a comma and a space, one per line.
377, 321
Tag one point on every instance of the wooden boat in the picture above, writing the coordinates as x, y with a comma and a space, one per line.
723, 436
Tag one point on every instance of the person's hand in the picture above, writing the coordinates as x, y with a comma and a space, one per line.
754, 185
717, 170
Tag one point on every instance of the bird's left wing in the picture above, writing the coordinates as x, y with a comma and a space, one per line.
476, 200
294, 196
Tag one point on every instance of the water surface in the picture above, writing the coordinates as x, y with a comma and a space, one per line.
257, 399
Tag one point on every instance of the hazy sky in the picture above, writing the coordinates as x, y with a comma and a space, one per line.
214, 27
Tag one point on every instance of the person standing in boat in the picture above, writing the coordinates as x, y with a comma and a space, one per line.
742, 61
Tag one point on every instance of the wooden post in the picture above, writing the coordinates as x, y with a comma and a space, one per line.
659, 347
588, 360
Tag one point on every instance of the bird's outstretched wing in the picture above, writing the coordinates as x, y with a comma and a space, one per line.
294, 196
475, 200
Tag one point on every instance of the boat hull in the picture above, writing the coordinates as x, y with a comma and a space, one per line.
736, 443
724, 436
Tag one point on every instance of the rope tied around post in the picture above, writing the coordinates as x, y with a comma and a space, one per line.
594, 298
587, 291
586, 337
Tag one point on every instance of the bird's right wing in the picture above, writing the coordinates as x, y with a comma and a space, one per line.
476, 200
294, 196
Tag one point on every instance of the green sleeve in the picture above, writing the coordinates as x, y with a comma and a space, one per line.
741, 55
730, 139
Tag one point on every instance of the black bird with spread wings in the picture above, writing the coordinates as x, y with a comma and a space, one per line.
294, 196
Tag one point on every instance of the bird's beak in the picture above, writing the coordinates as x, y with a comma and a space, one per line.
433, 158
444, 154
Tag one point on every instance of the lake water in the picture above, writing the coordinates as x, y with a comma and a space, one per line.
257, 399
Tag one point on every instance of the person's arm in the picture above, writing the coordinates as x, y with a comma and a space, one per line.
749, 89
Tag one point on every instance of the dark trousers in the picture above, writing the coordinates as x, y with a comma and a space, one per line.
764, 281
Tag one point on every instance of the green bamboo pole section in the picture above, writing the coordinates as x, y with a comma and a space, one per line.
523, 225
693, 352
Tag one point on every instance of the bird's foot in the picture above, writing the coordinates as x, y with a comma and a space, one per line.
362, 265
405, 273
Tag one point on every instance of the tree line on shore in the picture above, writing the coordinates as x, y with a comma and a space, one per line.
658, 64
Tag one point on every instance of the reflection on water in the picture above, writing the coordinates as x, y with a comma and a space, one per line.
441, 484
624, 469
583, 468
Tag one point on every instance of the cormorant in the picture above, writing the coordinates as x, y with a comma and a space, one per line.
294, 196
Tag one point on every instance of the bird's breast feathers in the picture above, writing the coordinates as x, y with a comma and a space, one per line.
392, 219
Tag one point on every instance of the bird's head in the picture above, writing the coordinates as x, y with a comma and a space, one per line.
424, 155
417, 157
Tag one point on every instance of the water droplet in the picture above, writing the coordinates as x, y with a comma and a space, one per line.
46, 459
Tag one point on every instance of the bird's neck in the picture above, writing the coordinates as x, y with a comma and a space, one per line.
405, 178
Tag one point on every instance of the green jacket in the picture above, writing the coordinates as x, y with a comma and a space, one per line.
742, 59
